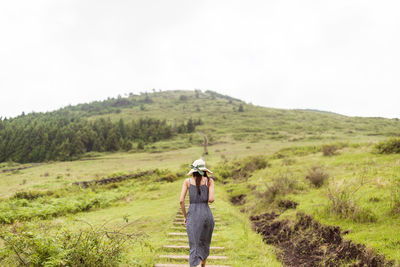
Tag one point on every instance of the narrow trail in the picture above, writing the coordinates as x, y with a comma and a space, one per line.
176, 252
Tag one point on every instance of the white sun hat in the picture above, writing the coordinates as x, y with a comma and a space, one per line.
198, 166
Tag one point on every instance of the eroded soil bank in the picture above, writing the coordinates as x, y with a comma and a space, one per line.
306, 242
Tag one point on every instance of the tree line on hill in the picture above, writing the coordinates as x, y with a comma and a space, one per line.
41, 137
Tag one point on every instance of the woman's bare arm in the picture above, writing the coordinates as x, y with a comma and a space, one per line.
182, 199
211, 191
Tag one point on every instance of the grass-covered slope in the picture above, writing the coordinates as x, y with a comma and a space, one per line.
37, 220
160, 121
353, 187
222, 117
320, 163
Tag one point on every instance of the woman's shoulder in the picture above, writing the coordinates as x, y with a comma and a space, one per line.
187, 182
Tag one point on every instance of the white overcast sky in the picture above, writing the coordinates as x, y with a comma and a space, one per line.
341, 56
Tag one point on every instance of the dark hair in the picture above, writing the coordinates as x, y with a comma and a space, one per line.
198, 177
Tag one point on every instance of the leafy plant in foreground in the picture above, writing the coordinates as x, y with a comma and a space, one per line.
92, 246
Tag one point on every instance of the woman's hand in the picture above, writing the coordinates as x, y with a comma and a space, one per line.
184, 220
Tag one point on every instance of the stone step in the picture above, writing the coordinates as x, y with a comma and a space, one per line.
186, 257
182, 223
187, 247
184, 228
175, 239
177, 234
185, 265
184, 234
180, 240
211, 207
181, 220
178, 228
182, 217
179, 224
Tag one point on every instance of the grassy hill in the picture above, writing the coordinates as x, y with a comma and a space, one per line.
271, 162
222, 118
223, 123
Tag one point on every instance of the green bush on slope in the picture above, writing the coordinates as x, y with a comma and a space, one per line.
388, 147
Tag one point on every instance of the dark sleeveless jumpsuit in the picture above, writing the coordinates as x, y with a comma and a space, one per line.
199, 224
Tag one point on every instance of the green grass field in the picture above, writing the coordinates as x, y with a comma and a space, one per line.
291, 141
368, 179
147, 203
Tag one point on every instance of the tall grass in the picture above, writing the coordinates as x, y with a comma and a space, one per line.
279, 186
343, 203
395, 196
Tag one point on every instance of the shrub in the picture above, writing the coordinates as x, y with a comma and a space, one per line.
342, 203
241, 169
329, 150
183, 98
238, 199
29, 195
281, 185
395, 196
140, 145
169, 177
251, 164
388, 147
288, 161
317, 176
296, 151
94, 246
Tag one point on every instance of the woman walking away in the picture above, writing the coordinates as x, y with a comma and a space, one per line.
199, 219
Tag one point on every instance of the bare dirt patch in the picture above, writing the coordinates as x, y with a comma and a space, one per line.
306, 242
239, 199
287, 204
116, 179
21, 168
